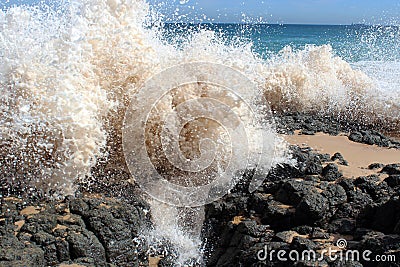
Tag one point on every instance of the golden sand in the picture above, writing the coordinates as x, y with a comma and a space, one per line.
359, 156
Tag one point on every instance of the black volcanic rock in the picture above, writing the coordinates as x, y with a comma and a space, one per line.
312, 232
331, 172
339, 207
236, 241
286, 236
312, 208
358, 199
292, 191
386, 216
347, 184
304, 204
359, 181
282, 172
339, 157
28, 256
380, 244
324, 157
308, 162
379, 191
41, 222
300, 244
375, 166
277, 215
313, 166
85, 244
308, 132
335, 194
234, 205
391, 169
88, 231
372, 137
356, 137
393, 181
343, 226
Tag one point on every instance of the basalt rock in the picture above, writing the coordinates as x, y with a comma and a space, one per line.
331, 172
385, 216
380, 244
375, 166
292, 191
312, 208
379, 191
335, 194
305, 206
392, 169
91, 231
393, 181
372, 137
342, 226
339, 158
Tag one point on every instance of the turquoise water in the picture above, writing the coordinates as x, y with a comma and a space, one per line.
66, 76
375, 50
351, 42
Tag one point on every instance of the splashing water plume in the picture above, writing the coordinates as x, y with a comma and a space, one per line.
67, 76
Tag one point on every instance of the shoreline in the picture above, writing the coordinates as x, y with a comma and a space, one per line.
359, 156
327, 196
394, 135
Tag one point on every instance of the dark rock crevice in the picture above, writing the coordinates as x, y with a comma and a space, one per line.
296, 210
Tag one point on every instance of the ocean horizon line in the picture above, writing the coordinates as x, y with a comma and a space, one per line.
280, 24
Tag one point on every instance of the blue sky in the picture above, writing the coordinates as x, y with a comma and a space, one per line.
274, 11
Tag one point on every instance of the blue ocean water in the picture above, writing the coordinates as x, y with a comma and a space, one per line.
351, 42
373, 49
65, 75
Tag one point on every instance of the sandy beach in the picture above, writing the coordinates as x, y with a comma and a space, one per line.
325, 197
359, 156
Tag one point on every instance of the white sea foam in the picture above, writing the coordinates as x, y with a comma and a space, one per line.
66, 78
385, 75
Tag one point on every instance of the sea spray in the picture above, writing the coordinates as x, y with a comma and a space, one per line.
312, 79
176, 234
67, 77
77, 85
47, 87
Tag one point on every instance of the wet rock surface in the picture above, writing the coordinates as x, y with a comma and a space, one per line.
309, 124
305, 207
302, 211
92, 230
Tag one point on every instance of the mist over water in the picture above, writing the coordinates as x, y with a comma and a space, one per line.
318, 57
67, 74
